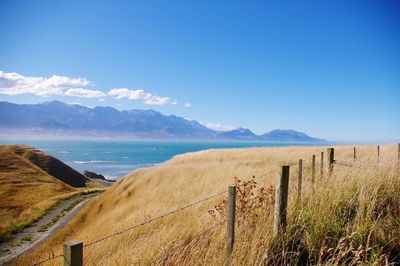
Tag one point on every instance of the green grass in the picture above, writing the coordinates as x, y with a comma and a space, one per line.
56, 218
27, 238
4, 251
4, 236
13, 245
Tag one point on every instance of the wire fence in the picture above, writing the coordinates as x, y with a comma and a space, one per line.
152, 220
161, 217
198, 202
169, 213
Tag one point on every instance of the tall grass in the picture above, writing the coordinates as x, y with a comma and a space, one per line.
350, 217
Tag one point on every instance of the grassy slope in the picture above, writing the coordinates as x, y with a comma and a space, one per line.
26, 191
354, 214
51, 165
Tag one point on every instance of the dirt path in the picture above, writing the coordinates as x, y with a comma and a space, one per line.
104, 183
33, 235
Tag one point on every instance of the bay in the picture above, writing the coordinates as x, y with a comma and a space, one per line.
116, 158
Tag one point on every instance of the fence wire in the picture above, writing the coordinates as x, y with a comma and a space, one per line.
275, 170
139, 225
154, 219
198, 235
344, 163
46, 260
266, 174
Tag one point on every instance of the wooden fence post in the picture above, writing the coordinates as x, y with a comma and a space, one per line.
378, 153
354, 154
313, 169
398, 152
331, 159
281, 196
73, 253
230, 226
299, 179
322, 164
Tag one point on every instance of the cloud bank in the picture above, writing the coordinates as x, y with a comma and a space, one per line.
14, 84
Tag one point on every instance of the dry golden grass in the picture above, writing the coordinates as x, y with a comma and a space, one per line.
353, 216
51, 165
26, 191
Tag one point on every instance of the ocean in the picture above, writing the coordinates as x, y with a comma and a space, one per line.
116, 158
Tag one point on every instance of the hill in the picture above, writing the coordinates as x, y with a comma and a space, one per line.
349, 217
240, 133
50, 165
290, 136
26, 191
58, 118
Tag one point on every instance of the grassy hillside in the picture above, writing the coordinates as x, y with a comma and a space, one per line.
26, 191
51, 165
352, 216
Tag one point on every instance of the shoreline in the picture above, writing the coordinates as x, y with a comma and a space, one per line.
117, 158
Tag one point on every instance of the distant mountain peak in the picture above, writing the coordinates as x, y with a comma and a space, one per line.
239, 133
54, 102
242, 130
289, 135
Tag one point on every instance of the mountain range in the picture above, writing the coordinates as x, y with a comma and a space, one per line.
56, 116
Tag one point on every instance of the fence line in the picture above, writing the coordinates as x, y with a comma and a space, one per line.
74, 249
148, 221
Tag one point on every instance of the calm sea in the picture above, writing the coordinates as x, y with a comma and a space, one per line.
114, 158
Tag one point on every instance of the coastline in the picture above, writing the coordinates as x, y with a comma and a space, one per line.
115, 158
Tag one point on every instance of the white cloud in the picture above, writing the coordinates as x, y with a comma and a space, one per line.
187, 105
157, 100
101, 100
13, 83
146, 97
79, 92
219, 126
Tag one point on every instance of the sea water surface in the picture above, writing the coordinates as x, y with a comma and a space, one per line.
116, 158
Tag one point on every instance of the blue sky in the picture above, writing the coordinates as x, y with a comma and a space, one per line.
327, 68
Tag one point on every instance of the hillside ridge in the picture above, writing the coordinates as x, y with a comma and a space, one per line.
50, 165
